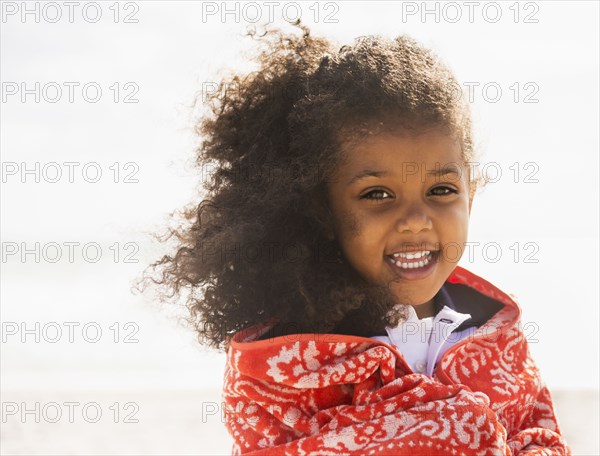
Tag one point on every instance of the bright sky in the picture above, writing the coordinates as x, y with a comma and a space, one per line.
540, 131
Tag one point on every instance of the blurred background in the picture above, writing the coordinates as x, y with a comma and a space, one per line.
97, 148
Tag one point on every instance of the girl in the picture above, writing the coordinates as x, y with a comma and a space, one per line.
324, 259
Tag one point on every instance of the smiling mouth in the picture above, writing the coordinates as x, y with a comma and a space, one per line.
413, 260
416, 265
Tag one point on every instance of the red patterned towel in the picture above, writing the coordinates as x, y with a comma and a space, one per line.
324, 394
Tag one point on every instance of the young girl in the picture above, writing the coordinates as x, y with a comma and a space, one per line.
324, 259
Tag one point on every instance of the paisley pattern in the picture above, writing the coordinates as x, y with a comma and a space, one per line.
326, 394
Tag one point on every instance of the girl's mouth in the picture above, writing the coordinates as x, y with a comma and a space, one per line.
413, 265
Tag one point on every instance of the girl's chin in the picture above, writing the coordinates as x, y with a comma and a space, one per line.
416, 299
402, 295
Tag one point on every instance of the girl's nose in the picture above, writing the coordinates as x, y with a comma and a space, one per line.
414, 220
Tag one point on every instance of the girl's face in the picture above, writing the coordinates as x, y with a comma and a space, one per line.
401, 208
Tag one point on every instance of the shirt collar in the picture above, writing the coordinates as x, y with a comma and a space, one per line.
443, 298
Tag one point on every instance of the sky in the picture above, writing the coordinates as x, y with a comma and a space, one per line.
97, 143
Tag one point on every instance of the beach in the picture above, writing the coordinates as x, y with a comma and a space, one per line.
166, 422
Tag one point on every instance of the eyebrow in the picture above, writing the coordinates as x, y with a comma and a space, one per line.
444, 171
438, 172
367, 173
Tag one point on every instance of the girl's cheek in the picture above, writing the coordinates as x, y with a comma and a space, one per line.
457, 211
349, 224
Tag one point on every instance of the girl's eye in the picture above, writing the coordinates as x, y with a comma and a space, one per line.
442, 191
375, 195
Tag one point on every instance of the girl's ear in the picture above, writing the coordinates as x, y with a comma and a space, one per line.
473, 184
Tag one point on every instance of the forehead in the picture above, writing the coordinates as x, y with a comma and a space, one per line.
432, 148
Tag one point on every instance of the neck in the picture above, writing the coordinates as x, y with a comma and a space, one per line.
425, 310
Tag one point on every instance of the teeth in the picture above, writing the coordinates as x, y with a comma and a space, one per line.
412, 265
412, 256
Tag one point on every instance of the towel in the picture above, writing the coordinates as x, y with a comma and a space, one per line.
334, 394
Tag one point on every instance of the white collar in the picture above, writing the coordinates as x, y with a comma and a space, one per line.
422, 339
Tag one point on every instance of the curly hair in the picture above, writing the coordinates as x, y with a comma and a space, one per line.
257, 249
